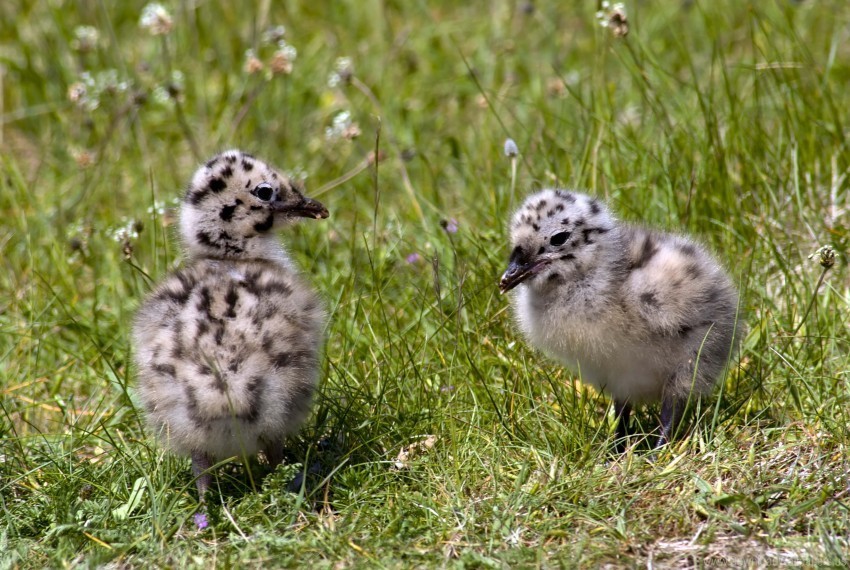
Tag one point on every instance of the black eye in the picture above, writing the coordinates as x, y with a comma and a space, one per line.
559, 238
263, 191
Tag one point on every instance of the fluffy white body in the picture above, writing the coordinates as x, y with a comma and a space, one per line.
227, 348
640, 314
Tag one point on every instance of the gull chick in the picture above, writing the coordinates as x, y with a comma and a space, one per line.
640, 314
227, 348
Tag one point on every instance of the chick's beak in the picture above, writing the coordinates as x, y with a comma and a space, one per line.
514, 275
520, 268
306, 208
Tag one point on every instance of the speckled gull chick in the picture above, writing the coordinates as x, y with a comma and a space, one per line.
640, 314
227, 348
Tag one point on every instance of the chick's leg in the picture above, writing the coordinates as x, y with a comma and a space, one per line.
201, 464
274, 453
623, 412
671, 412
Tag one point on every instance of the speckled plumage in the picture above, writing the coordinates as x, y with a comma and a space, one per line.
227, 348
640, 314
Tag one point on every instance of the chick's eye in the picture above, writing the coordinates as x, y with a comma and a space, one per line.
263, 191
559, 238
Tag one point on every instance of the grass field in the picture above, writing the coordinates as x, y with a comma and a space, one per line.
722, 119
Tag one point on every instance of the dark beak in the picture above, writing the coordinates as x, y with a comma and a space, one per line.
518, 272
306, 208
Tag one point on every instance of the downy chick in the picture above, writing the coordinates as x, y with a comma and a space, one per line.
227, 348
640, 314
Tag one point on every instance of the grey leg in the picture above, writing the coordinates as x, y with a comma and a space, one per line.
671, 413
623, 412
274, 453
200, 469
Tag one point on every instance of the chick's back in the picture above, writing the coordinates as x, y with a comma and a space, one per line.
228, 356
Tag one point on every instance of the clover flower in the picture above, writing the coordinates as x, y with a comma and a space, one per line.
450, 225
160, 95
156, 19
282, 58
274, 34
614, 18
87, 92
252, 62
78, 95
342, 73
342, 127
85, 39
84, 158
128, 231
126, 234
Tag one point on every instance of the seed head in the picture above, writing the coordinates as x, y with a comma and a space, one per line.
825, 255
511, 150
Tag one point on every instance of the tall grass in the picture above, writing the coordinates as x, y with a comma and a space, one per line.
725, 120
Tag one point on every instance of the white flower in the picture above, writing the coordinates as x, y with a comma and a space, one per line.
156, 19
85, 93
600, 16
158, 208
342, 73
107, 80
282, 58
128, 231
288, 50
511, 149
160, 95
77, 93
615, 18
85, 39
178, 80
342, 127
274, 34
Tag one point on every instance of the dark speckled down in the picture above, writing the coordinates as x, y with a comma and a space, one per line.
228, 356
227, 348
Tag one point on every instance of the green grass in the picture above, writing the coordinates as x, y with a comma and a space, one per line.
721, 119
